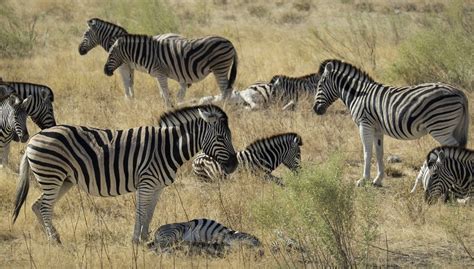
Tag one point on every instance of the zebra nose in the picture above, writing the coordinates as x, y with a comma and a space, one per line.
319, 109
108, 71
24, 138
82, 51
231, 164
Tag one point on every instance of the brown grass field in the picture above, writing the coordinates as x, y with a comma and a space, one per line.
271, 37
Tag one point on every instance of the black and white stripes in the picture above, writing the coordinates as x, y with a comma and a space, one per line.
400, 112
184, 60
114, 162
447, 170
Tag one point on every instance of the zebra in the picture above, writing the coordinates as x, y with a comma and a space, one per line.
288, 90
258, 95
262, 155
184, 60
108, 163
104, 33
400, 112
447, 169
12, 121
40, 108
207, 233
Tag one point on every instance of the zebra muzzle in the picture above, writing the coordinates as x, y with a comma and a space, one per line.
319, 109
108, 71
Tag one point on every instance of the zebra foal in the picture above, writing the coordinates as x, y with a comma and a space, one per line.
12, 121
447, 170
104, 33
185, 60
108, 163
262, 155
200, 233
401, 112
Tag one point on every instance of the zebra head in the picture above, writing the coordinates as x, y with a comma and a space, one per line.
5, 90
17, 115
433, 176
292, 159
116, 57
90, 39
167, 236
41, 109
217, 140
326, 91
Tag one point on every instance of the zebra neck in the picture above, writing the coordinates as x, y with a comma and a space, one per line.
352, 88
186, 142
108, 39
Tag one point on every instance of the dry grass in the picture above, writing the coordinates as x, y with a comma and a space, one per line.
271, 38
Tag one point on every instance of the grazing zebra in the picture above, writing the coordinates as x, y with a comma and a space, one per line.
201, 233
447, 169
400, 112
12, 121
263, 155
184, 60
114, 162
288, 90
40, 108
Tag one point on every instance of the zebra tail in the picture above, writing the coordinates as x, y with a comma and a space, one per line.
462, 130
23, 187
233, 72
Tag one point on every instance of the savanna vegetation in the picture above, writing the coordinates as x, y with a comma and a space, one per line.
398, 42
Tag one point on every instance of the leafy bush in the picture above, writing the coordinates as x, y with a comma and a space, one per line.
17, 35
444, 52
319, 206
143, 16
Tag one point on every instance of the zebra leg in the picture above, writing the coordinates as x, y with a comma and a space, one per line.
223, 82
43, 207
181, 92
4, 151
164, 91
127, 74
147, 197
367, 137
379, 155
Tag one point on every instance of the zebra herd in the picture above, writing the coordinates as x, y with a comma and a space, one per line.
105, 162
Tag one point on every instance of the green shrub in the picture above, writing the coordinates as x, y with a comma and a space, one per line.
318, 205
444, 52
17, 35
150, 17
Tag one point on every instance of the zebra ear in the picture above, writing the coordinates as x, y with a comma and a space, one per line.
207, 116
328, 67
26, 102
441, 157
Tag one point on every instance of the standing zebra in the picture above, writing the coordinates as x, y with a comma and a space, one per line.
184, 60
447, 169
200, 232
103, 33
288, 90
400, 112
114, 162
262, 155
12, 122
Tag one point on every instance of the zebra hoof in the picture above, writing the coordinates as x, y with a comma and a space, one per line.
360, 182
377, 184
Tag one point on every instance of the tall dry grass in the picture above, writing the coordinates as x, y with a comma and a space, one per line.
391, 227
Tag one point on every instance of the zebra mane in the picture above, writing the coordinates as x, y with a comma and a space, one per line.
255, 145
343, 65
305, 77
184, 115
12, 83
100, 21
452, 152
135, 37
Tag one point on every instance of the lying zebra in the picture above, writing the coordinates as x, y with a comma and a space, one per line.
200, 234
263, 155
447, 170
282, 90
